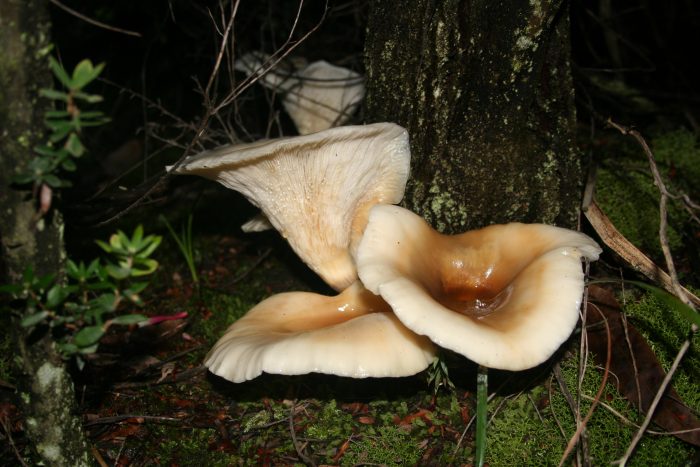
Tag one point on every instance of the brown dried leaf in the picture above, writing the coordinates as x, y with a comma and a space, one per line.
671, 414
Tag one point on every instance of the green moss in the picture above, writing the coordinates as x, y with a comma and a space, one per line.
679, 149
392, 447
625, 188
225, 309
630, 200
521, 435
331, 424
665, 332
189, 448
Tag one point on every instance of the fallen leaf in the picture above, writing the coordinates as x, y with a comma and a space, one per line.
671, 414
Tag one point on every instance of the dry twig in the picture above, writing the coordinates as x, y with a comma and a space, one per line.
94, 21
574, 439
677, 288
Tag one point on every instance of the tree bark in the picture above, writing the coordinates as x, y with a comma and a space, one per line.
485, 91
46, 392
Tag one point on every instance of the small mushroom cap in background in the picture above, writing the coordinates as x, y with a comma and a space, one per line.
505, 296
317, 96
353, 334
316, 190
326, 96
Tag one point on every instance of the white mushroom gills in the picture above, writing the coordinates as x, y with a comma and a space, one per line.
316, 190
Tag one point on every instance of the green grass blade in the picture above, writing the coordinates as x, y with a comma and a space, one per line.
482, 395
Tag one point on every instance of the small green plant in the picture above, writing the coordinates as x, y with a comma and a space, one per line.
65, 124
438, 375
184, 243
80, 310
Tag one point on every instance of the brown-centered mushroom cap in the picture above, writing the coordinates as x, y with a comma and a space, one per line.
505, 296
316, 190
353, 334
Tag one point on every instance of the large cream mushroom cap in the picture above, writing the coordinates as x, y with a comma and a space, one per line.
316, 190
505, 296
317, 96
353, 334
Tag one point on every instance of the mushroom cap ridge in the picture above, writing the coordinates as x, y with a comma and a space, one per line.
352, 334
505, 296
316, 190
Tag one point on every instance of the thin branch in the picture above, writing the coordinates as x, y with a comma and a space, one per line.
652, 408
663, 200
628, 252
677, 288
212, 108
574, 439
94, 22
306, 459
8, 430
135, 417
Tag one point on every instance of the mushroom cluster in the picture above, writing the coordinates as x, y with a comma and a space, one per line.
505, 296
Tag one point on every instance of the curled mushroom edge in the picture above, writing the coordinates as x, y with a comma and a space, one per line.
353, 334
505, 296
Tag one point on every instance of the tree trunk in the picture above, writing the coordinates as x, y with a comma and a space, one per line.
484, 89
45, 388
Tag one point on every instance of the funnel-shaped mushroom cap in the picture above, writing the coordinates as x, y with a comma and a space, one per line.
505, 296
316, 190
352, 334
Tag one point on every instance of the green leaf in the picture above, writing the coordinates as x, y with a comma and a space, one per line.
137, 235
129, 319
482, 395
99, 122
153, 243
89, 98
46, 151
105, 246
91, 114
60, 132
86, 350
85, 72
137, 287
43, 282
34, 319
117, 272
21, 179
103, 304
671, 301
67, 348
55, 182
56, 295
145, 267
54, 94
121, 239
92, 267
88, 336
68, 165
60, 72
74, 145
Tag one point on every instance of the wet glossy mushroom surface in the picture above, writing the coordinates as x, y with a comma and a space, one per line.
505, 296
352, 334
